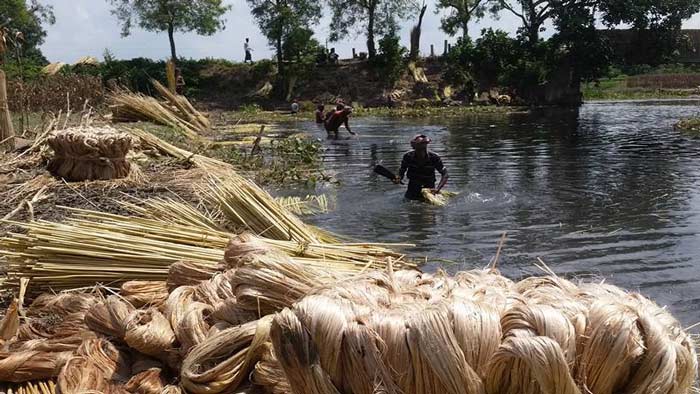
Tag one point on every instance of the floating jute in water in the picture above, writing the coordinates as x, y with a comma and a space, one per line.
90, 153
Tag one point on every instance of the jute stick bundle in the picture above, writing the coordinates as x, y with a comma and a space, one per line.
82, 154
408, 333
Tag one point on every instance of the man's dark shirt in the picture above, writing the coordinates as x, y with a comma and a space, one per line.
421, 172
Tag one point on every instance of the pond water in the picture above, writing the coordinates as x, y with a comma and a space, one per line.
610, 191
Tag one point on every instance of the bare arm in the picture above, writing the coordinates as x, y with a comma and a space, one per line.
347, 126
443, 180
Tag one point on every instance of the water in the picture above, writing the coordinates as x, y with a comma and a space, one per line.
610, 191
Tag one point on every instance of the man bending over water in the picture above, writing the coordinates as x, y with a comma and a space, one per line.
337, 118
421, 166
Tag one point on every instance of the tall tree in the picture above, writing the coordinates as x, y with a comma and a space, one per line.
374, 17
26, 18
462, 12
416, 30
205, 17
285, 20
657, 15
532, 13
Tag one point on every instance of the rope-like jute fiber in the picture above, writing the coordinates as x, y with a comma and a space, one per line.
479, 333
90, 153
267, 322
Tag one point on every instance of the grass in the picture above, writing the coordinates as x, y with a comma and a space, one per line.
617, 89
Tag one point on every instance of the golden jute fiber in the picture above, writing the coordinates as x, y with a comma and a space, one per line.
477, 332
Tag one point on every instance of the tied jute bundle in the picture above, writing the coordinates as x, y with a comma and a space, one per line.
479, 333
140, 293
90, 153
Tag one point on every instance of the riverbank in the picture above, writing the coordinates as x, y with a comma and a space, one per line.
643, 87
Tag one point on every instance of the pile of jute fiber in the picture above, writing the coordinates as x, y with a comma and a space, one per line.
262, 322
90, 153
478, 332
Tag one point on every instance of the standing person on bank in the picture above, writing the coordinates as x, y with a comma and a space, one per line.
248, 51
421, 165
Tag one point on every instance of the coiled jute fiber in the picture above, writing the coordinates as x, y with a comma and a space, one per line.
477, 332
90, 153
267, 323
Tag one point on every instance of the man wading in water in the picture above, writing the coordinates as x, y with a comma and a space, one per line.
421, 166
337, 118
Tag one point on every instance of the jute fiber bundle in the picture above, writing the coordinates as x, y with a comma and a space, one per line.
149, 332
477, 332
222, 362
90, 153
185, 273
25, 366
147, 382
140, 293
109, 317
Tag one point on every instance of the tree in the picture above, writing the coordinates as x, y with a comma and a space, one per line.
284, 21
202, 16
416, 31
655, 15
462, 12
374, 17
532, 13
22, 22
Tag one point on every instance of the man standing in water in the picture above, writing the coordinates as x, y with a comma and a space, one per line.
421, 166
337, 118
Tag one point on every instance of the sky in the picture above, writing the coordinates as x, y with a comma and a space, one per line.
86, 28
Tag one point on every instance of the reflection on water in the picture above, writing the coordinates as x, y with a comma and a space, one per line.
608, 191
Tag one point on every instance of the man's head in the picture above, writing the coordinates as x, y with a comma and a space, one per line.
339, 106
420, 141
247, 39
320, 107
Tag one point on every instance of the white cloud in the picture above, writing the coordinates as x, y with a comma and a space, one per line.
86, 27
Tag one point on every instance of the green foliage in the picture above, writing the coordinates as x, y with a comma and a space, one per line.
497, 58
461, 12
390, 63
25, 17
301, 50
371, 17
459, 68
201, 16
286, 24
205, 17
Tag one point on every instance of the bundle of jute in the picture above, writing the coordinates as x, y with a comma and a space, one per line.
222, 362
149, 332
406, 332
109, 317
437, 199
176, 111
97, 366
30, 365
150, 381
90, 153
140, 293
186, 273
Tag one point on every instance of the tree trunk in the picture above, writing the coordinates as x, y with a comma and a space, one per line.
533, 34
171, 36
280, 60
465, 30
415, 35
6, 130
371, 48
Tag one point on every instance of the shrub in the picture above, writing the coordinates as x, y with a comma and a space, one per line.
389, 62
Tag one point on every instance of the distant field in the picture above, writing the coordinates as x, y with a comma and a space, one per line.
646, 86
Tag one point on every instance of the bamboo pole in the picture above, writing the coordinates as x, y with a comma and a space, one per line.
7, 132
170, 72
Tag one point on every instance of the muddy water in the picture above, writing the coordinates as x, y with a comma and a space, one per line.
610, 191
